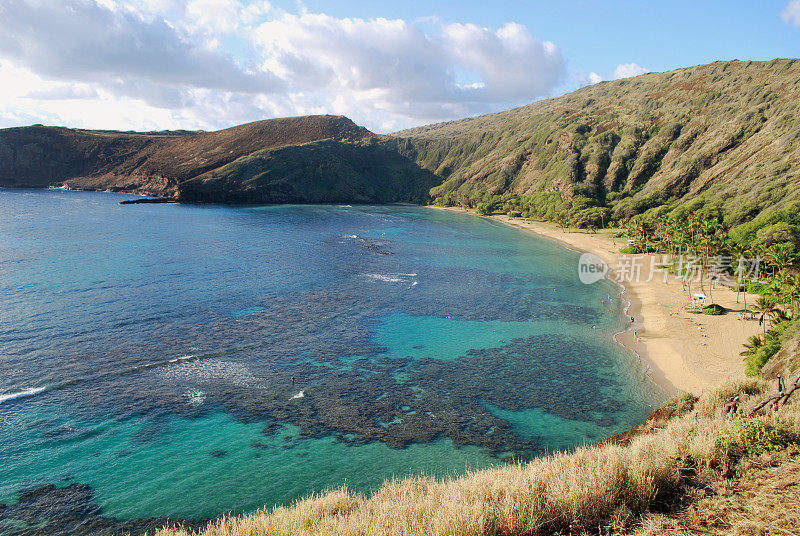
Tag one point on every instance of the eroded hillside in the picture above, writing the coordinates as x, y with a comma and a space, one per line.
155, 163
727, 132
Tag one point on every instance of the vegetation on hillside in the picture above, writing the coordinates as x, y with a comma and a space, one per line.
609, 487
326, 171
724, 135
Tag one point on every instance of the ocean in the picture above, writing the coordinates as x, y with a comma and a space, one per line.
188, 361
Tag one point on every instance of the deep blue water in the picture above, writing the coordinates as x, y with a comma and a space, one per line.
157, 353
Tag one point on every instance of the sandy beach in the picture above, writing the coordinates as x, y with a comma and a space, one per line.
683, 351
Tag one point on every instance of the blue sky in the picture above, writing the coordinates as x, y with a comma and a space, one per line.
599, 35
156, 64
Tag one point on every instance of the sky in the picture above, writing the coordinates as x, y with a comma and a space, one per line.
211, 64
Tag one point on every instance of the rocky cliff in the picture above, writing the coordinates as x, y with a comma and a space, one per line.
303, 159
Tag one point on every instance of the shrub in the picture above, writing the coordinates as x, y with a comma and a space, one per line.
757, 288
749, 437
771, 345
515, 214
544, 205
746, 233
778, 233
713, 309
597, 217
484, 208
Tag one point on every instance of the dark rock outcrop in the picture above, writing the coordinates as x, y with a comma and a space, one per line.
48, 510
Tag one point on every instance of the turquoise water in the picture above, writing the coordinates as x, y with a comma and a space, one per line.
176, 468
189, 361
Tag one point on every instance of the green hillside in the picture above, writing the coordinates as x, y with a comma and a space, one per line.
725, 134
325, 171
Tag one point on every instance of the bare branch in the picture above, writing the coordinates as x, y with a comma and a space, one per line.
791, 390
769, 399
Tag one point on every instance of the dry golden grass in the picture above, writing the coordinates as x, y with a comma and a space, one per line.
570, 492
765, 500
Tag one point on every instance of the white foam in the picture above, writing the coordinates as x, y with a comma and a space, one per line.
392, 278
223, 371
386, 278
301, 394
195, 397
4, 397
182, 358
395, 278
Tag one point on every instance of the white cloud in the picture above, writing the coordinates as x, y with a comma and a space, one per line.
84, 40
627, 70
791, 13
512, 64
28, 98
397, 68
63, 92
224, 16
213, 63
623, 70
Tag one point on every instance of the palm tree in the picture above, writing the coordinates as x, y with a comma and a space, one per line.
739, 252
781, 256
777, 316
711, 236
778, 287
767, 308
679, 235
562, 218
752, 345
793, 293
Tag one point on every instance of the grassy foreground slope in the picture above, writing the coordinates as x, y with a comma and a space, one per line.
727, 133
686, 452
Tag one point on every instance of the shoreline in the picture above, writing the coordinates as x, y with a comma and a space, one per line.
680, 351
